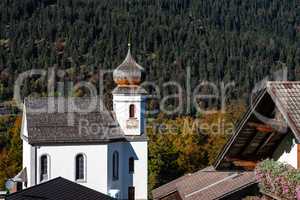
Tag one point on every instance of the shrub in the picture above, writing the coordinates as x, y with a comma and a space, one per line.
279, 179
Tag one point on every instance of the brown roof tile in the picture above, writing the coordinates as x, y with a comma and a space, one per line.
286, 96
206, 184
168, 188
214, 184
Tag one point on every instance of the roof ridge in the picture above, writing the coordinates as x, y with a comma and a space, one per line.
287, 81
58, 97
268, 83
61, 180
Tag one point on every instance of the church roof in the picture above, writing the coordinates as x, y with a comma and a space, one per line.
58, 189
129, 72
273, 116
71, 120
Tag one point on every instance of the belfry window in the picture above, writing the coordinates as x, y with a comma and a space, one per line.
115, 165
44, 168
80, 167
131, 111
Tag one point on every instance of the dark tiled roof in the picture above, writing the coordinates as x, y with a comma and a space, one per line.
58, 189
206, 184
71, 120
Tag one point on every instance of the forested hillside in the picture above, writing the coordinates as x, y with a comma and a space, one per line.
221, 40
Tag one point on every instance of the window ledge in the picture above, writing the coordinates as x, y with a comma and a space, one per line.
80, 181
44, 180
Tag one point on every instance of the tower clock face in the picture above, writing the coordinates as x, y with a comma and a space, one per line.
132, 123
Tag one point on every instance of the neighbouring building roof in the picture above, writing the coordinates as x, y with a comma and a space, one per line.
286, 96
273, 116
58, 189
71, 120
205, 184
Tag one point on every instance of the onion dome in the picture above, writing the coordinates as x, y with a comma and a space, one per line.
129, 72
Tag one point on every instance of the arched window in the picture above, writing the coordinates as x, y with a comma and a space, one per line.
44, 164
131, 165
115, 165
131, 111
80, 167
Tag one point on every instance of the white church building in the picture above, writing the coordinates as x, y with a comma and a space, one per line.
77, 139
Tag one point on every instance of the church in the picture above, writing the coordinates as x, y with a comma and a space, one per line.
79, 140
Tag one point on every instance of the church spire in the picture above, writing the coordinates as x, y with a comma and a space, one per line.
129, 72
129, 47
129, 56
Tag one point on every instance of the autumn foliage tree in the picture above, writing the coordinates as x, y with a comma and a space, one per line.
11, 154
186, 144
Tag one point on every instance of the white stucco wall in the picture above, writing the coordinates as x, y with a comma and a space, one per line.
138, 179
24, 131
29, 162
62, 163
115, 184
28, 153
287, 151
121, 105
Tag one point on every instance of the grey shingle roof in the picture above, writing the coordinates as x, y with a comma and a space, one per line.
58, 189
206, 184
73, 120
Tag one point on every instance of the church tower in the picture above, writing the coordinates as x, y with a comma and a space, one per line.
129, 97
129, 109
